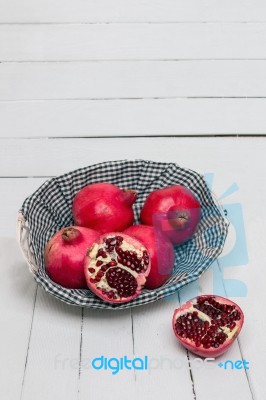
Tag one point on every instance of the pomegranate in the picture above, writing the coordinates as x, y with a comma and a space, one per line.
64, 256
175, 210
116, 267
208, 325
161, 253
104, 207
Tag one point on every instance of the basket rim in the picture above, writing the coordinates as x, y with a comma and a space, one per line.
23, 238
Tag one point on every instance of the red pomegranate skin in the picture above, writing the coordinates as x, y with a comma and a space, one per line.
104, 207
199, 349
161, 253
65, 253
174, 210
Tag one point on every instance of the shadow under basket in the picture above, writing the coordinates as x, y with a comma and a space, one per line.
48, 209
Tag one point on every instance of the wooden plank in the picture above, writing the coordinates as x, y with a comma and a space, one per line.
106, 333
75, 118
132, 41
13, 193
30, 157
168, 365
254, 351
54, 351
110, 80
17, 296
129, 10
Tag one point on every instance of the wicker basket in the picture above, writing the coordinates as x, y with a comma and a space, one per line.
48, 209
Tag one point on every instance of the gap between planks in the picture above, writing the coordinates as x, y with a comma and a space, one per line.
29, 339
188, 136
133, 22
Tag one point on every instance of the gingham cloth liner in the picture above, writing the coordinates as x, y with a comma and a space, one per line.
49, 209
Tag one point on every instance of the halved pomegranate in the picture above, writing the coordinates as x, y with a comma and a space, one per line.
116, 267
208, 325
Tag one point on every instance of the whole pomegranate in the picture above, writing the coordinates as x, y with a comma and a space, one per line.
208, 325
104, 207
161, 253
174, 210
116, 267
64, 256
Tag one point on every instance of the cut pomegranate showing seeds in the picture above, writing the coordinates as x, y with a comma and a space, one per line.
208, 325
116, 267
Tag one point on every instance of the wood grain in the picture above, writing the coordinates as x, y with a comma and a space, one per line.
54, 350
49, 157
143, 117
112, 80
17, 294
132, 41
36, 11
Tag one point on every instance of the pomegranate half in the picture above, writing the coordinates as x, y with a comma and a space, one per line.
116, 267
104, 207
64, 255
208, 325
175, 210
161, 252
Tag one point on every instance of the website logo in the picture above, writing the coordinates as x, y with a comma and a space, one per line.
238, 364
117, 364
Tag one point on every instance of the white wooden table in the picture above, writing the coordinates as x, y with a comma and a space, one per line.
166, 80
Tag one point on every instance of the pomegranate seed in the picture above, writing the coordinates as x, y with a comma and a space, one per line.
232, 325
112, 263
99, 263
91, 270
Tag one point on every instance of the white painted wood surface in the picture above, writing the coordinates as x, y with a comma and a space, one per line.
132, 79
142, 117
132, 42
91, 11
79, 83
